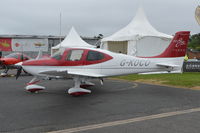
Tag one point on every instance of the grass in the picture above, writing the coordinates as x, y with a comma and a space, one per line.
187, 80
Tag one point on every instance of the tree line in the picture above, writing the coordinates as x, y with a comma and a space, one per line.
194, 42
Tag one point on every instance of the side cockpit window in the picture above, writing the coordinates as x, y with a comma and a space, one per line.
58, 55
75, 55
94, 56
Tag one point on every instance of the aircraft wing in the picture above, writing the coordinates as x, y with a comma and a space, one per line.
65, 73
62, 73
167, 65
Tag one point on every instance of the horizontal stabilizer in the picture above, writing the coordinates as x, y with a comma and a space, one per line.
167, 65
161, 72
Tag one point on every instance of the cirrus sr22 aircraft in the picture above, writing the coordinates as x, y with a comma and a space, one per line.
83, 64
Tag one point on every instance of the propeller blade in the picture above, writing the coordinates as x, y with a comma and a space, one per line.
19, 70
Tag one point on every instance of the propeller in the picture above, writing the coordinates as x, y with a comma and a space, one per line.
19, 71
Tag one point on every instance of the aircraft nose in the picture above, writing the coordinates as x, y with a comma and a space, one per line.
19, 64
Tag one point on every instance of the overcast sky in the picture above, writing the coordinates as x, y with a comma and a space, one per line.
92, 17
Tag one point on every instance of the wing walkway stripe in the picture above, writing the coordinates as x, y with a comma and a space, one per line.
127, 121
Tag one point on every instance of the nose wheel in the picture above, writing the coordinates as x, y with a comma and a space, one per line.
33, 87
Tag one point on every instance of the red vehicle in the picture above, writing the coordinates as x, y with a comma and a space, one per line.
9, 61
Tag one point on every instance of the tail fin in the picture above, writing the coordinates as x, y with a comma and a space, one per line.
177, 47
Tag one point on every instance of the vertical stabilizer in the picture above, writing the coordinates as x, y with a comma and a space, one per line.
177, 47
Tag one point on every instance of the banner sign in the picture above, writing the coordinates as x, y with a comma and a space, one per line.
29, 44
5, 44
191, 66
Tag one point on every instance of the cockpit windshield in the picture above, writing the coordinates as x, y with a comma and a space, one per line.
13, 55
57, 56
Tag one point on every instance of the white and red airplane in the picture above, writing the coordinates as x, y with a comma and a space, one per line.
82, 64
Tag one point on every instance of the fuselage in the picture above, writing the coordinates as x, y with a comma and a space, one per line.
106, 64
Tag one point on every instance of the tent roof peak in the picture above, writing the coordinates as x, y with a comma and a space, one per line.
72, 40
139, 26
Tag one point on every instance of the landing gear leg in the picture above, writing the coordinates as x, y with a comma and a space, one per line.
33, 87
77, 90
25, 72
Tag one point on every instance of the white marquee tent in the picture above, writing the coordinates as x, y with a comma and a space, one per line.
71, 40
138, 38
